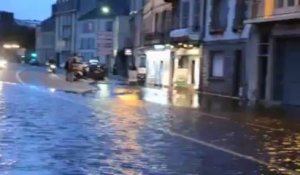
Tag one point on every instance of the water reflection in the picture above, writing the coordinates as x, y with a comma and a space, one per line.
126, 126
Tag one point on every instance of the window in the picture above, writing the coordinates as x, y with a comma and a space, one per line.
239, 16
217, 65
109, 26
185, 9
196, 15
280, 3
142, 62
157, 26
183, 62
290, 3
87, 43
219, 14
286, 3
88, 27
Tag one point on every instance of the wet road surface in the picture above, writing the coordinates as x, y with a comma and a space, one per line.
124, 130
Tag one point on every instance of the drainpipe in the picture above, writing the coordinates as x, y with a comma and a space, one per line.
202, 35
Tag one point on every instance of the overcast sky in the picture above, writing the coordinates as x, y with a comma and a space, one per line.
28, 9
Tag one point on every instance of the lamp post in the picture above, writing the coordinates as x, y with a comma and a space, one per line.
105, 10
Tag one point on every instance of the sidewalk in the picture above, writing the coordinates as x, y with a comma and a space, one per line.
81, 86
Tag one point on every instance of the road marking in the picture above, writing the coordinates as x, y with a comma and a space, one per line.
215, 147
249, 124
18, 73
59, 77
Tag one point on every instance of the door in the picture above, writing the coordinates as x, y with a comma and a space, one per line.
161, 72
193, 72
291, 72
237, 72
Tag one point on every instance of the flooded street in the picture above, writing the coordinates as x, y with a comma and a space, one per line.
125, 130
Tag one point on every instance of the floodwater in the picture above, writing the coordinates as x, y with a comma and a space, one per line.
124, 130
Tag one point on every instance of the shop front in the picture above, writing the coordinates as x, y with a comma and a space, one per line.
159, 66
186, 58
187, 67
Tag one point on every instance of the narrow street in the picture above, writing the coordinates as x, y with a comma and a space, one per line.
122, 129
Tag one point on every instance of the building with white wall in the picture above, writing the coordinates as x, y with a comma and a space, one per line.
225, 47
95, 35
65, 28
157, 24
45, 46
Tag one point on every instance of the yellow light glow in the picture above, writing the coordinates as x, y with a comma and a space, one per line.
11, 46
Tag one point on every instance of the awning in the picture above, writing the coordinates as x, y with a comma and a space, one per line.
185, 32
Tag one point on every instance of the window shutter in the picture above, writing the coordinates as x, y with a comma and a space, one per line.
240, 15
219, 14
215, 24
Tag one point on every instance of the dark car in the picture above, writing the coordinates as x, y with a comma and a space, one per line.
34, 62
96, 72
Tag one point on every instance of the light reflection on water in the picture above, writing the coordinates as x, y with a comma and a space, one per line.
278, 148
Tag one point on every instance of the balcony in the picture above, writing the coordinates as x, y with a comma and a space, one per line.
189, 35
155, 38
269, 11
171, 1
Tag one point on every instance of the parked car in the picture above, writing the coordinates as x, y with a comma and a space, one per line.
34, 62
97, 72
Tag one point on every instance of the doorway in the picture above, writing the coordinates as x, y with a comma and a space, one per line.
161, 70
193, 72
237, 73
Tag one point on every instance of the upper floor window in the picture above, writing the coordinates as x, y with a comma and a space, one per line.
185, 9
109, 26
157, 22
88, 27
286, 3
219, 12
196, 15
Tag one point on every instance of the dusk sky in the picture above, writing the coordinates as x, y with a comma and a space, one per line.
28, 9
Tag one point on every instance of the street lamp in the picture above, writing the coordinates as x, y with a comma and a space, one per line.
105, 10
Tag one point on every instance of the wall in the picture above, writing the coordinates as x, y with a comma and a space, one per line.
228, 34
44, 45
150, 9
121, 32
82, 35
224, 85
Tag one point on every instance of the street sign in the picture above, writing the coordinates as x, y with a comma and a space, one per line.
60, 45
104, 43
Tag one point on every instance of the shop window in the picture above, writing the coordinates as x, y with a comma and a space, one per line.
183, 62
142, 62
217, 65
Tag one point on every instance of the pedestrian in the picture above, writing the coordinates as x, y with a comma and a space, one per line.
69, 69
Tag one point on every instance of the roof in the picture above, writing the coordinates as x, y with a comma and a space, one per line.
118, 8
95, 14
48, 25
